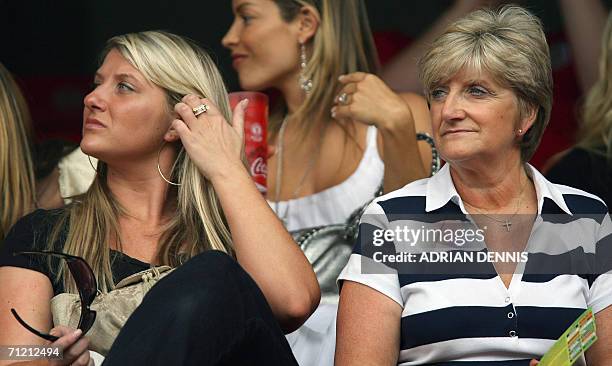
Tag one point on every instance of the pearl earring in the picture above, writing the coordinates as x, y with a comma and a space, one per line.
305, 82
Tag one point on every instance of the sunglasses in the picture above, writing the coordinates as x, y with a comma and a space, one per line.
86, 283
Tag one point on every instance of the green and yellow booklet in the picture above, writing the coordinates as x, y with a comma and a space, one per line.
573, 343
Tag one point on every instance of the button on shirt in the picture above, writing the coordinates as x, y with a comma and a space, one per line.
453, 317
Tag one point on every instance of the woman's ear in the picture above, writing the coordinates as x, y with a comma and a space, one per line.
528, 119
308, 22
171, 135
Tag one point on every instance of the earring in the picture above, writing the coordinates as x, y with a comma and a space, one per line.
93, 167
305, 82
520, 131
159, 168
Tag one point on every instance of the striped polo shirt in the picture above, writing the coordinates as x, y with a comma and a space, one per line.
469, 317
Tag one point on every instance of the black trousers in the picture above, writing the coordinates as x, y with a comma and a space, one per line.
209, 311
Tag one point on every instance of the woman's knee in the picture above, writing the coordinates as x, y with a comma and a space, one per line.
211, 262
209, 279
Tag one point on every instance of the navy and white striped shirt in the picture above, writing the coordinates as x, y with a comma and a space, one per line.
473, 319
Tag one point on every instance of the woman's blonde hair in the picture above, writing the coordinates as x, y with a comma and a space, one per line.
17, 183
595, 131
342, 44
180, 67
510, 45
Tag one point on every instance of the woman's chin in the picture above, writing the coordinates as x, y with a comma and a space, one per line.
457, 155
252, 85
89, 148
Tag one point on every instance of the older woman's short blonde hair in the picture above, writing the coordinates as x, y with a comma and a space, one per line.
509, 44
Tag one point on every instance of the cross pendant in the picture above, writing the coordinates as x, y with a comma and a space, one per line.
507, 224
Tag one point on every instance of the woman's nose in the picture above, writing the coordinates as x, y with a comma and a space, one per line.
94, 100
452, 109
231, 37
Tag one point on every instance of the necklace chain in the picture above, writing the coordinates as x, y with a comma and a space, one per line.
280, 144
507, 223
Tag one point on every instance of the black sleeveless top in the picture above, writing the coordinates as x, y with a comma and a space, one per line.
32, 233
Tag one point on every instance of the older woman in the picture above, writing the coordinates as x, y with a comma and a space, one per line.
170, 190
488, 81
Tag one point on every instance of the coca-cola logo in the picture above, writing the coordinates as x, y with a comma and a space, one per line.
256, 132
259, 167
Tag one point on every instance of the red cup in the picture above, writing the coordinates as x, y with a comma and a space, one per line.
255, 135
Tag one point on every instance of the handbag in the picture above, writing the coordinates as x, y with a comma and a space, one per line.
113, 308
329, 247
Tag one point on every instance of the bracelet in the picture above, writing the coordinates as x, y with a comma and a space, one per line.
435, 157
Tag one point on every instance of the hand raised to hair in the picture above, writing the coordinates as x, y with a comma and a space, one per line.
367, 99
75, 347
212, 143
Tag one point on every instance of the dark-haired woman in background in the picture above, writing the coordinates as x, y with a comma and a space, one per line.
337, 129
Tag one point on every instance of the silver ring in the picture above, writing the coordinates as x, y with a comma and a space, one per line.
343, 98
202, 108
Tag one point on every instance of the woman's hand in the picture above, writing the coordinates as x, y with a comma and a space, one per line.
367, 99
533, 362
76, 348
212, 144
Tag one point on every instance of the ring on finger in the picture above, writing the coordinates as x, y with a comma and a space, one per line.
343, 98
202, 108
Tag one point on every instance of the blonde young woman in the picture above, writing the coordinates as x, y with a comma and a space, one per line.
337, 131
170, 189
592, 155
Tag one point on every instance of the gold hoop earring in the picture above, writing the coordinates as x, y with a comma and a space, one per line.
159, 168
92, 166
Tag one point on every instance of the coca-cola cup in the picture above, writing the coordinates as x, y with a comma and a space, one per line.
255, 135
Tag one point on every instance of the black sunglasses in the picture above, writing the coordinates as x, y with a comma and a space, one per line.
86, 283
